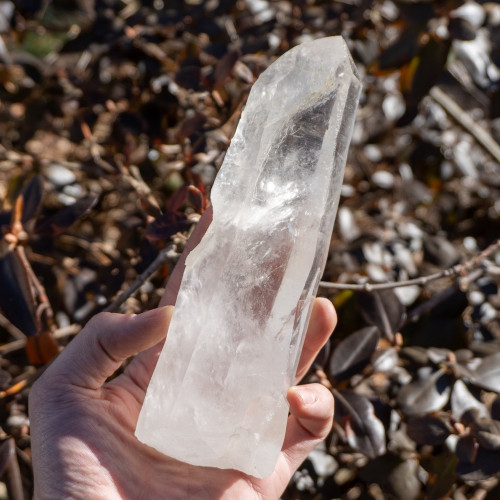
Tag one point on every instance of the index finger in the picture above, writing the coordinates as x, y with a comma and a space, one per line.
321, 325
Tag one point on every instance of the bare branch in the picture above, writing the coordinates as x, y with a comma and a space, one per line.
165, 255
458, 270
15, 482
60, 333
40, 291
12, 329
481, 135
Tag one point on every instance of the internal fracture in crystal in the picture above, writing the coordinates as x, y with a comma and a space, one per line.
218, 394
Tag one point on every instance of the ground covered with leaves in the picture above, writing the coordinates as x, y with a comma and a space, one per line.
114, 118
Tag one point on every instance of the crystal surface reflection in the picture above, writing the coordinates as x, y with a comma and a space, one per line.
218, 394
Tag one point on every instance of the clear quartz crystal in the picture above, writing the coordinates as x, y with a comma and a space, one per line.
218, 394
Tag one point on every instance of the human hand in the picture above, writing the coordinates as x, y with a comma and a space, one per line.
82, 429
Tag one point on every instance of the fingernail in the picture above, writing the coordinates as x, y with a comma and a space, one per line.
155, 313
307, 396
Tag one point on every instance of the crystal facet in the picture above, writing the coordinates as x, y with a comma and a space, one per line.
218, 394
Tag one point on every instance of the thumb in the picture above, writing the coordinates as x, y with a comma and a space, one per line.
311, 419
105, 343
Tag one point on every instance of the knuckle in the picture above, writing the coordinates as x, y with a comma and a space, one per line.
99, 320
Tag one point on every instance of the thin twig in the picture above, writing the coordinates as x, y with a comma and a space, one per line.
66, 331
40, 290
12, 329
15, 483
24, 458
164, 256
91, 246
481, 135
454, 271
60, 333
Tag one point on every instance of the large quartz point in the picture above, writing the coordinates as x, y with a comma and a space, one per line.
218, 394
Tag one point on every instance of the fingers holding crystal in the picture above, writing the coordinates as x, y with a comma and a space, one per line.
321, 325
108, 340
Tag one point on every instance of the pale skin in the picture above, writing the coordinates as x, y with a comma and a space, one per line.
82, 427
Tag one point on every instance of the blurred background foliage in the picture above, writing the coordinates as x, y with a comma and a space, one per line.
114, 118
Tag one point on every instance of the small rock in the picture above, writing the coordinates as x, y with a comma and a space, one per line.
348, 228
74, 190
383, 179
59, 176
17, 421
406, 172
65, 199
373, 153
153, 155
389, 10
256, 6
474, 55
470, 243
407, 295
384, 360
449, 138
471, 12
410, 230
375, 253
303, 480
463, 160
405, 258
488, 313
376, 273
476, 298
6, 12
393, 106
324, 464
447, 170
347, 191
